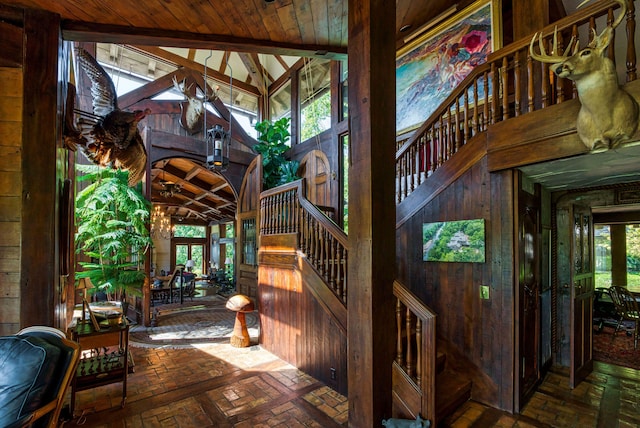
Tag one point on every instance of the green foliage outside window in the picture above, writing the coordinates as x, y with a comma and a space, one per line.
112, 231
229, 230
603, 248
182, 254
345, 178
316, 116
190, 231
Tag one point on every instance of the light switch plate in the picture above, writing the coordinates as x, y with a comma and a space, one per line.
484, 292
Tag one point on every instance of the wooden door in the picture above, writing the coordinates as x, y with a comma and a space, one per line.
582, 286
315, 169
528, 293
248, 222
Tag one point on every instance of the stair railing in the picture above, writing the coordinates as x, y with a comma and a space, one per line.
285, 209
508, 85
416, 348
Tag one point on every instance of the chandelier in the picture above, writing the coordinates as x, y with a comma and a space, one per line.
160, 224
169, 188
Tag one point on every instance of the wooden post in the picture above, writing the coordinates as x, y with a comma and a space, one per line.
40, 281
618, 254
371, 271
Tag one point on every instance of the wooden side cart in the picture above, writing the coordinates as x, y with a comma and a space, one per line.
105, 357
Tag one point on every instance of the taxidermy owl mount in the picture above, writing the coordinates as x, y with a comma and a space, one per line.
110, 138
608, 114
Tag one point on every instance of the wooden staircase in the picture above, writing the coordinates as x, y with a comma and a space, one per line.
452, 388
425, 382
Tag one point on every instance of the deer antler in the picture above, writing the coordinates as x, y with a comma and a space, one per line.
554, 58
180, 87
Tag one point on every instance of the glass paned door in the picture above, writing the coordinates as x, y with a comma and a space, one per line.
193, 252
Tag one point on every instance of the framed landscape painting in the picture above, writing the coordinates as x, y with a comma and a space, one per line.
429, 68
454, 241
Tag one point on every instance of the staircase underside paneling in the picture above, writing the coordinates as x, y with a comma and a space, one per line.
299, 324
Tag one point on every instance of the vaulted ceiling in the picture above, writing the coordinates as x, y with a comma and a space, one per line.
248, 43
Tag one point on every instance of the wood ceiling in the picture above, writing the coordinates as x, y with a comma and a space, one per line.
286, 27
254, 41
203, 197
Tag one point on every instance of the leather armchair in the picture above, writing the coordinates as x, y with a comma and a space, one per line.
36, 368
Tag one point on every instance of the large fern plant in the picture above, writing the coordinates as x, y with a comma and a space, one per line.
112, 231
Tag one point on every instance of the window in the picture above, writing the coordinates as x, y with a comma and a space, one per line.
280, 103
189, 231
344, 91
249, 241
604, 265
193, 252
315, 98
345, 182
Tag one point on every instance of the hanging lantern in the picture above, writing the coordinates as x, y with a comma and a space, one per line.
217, 148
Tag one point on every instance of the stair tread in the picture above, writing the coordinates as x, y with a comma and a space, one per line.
452, 389
441, 359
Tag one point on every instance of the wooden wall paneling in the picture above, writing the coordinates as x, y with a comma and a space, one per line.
11, 32
432, 276
295, 325
11, 106
529, 16
475, 327
39, 262
472, 301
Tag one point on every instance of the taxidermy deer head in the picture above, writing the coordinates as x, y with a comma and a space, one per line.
608, 114
192, 111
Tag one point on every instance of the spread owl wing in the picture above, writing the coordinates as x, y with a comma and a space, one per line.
103, 91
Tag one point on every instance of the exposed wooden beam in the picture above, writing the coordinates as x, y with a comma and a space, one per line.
196, 67
151, 89
191, 148
194, 171
255, 71
284, 78
224, 64
267, 77
282, 62
104, 33
179, 177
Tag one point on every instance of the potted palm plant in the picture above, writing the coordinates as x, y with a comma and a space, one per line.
112, 232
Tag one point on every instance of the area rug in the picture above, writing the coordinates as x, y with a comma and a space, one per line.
618, 350
199, 322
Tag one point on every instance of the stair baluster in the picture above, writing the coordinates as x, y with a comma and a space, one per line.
408, 342
399, 354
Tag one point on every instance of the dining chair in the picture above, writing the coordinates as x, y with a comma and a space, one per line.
626, 310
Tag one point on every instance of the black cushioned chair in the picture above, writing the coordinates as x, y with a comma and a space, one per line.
36, 368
